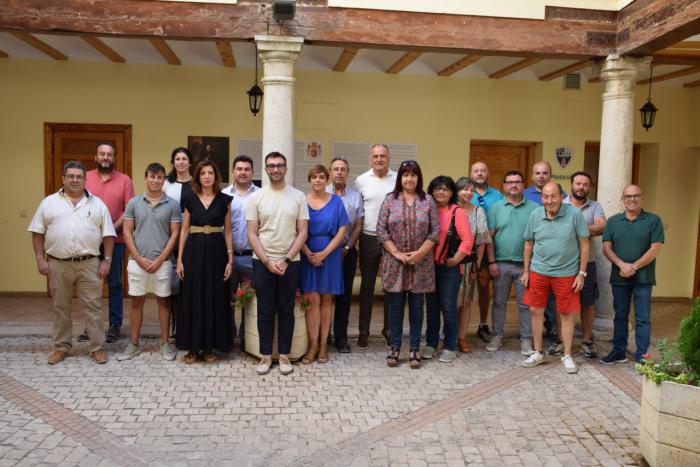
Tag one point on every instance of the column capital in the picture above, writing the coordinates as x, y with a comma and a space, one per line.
279, 44
615, 67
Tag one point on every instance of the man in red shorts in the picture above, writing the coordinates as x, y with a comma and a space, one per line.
555, 258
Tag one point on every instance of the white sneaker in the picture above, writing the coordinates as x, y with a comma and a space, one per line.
285, 366
427, 353
263, 367
537, 358
130, 352
569, 364
495, 343
526, 347
447, 356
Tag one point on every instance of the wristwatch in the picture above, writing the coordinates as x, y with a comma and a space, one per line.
107, 259
583, 273
346, 248
287, 260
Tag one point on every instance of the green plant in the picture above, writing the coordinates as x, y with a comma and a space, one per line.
667, 369
302, 301
244, 294
689, 342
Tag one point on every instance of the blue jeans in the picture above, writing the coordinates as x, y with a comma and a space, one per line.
396, 301
622, 297
114, 282
447, 281
510, 275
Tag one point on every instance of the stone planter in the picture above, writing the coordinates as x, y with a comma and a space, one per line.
300, 339
670, 424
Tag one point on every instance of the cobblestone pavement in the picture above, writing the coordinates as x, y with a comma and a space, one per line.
482, 409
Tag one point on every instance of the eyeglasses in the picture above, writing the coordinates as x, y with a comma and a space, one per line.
275, 166
407, 164
512, 182
632, 196
442, 188
74, 177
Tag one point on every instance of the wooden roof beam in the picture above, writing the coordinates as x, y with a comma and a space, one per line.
665, 59
3, 54
515, 67
226, 53
460, 64
692, 84
165, 51
403, 62
103, 48
345, 59
686, 45
40, 45
567, 69
675, 74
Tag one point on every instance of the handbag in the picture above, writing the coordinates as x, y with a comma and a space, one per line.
452, 242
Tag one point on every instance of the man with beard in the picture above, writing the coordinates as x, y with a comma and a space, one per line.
115, 189
595, 219
484, 196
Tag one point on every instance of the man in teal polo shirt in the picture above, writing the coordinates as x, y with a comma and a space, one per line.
484, 196
631, 241
507, 220
555, 258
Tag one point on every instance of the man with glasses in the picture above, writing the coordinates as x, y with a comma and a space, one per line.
507, 220
631, 241
67, 231
278, 221
484, 196
373, 185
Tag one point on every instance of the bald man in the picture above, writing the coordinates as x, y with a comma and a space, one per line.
631, 241
554, 260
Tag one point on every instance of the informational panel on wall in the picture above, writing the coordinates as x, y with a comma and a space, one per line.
357, 154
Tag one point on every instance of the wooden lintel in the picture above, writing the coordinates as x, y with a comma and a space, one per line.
403, 62
675, 74
40, 45
460, 64
226, 53
686, 45
165, 51
586, 35
103, 48
567, 69
515, 67
692, 84
3, 54
345, 59
664, 59
644, 27
679, 52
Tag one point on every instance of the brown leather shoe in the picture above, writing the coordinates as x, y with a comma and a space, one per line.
57, 356
100, 356
363, 340
464, 346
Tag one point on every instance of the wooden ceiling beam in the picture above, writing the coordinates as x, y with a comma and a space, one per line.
686, 45
40, 45
165, 51
460, 64
692, 84
515, 67
579, 35
567, 69
403, 62
675, 74
226, 53
3, 54
595, 79
345, 59
645, 27
103, 48
676, 60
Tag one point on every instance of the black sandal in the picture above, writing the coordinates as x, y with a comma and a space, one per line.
414, 359
393, 358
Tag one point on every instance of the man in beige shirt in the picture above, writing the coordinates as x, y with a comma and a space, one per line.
67, 230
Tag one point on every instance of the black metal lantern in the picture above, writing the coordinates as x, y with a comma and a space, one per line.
255, 94
648, 110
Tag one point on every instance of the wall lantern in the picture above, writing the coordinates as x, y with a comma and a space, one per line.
255, 94
648, 110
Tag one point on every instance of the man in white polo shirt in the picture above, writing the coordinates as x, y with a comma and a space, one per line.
67, 230
373, 185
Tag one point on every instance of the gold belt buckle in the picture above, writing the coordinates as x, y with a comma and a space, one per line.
207, 229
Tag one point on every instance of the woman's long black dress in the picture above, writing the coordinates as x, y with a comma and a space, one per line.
204, 321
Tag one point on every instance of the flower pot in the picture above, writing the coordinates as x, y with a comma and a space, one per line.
670, 424
300, 338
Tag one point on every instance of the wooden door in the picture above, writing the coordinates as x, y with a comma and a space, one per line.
502, 156
65, 142
696, 282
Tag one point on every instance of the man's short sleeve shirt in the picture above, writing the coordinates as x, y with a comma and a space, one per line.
115, 193
490, 197
509, 221
591, 211
152, 224
373, 190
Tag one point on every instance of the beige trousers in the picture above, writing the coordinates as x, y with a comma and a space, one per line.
63, 276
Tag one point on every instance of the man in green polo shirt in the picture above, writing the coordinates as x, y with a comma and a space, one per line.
507, 219
554, 259
631, 241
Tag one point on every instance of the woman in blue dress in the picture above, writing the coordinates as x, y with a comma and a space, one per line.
322, 261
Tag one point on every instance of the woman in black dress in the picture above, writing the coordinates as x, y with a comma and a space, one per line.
205, 263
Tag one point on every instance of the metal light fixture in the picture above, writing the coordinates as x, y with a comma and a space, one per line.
255, 94
648, 110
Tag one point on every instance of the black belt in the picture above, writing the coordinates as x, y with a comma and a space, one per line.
243, 253
74, 258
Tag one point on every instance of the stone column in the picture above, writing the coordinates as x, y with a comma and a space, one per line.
619, 75
278, 55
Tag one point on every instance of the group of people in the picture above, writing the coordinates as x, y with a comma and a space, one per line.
437, 249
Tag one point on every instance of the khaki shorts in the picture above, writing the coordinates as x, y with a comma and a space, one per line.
138, 279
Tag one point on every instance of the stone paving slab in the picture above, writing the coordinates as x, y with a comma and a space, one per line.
482, 409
